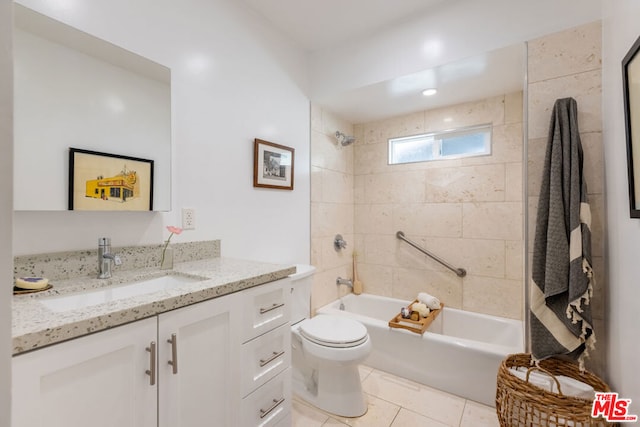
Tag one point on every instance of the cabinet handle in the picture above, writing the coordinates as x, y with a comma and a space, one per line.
274, 356
174, 353
152, 363
273, 307
265, 412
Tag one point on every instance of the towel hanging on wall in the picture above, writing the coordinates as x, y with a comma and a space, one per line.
562, 287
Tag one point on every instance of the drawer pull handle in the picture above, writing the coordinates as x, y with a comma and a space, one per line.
276, 403
152, 363
273, 307
274, 356
174, 353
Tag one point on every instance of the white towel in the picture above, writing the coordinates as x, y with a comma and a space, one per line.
569, 386
538, 379
429, 300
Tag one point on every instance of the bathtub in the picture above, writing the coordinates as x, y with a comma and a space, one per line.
460, 352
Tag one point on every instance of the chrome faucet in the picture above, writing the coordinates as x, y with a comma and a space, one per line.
105, 258
341, 281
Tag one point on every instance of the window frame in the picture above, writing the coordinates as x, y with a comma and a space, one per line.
437, 138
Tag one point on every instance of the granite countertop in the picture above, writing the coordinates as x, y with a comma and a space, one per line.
34, 325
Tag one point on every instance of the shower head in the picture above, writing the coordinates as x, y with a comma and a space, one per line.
345, 140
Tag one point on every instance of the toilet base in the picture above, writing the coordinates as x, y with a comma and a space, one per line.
336, 389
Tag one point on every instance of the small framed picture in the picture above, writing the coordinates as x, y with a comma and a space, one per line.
109, 182
272, 165
631, 93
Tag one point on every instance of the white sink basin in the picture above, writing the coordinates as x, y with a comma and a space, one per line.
113, 293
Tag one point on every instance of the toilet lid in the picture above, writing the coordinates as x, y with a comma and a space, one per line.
334, 331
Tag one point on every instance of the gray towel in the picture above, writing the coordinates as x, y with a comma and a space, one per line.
561, 271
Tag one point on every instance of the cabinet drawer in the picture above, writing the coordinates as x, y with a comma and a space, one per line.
265, 357
265, 307
269, 404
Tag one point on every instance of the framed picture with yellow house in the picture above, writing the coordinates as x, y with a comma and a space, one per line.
109, 182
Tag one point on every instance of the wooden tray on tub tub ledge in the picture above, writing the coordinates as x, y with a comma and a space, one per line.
417, 326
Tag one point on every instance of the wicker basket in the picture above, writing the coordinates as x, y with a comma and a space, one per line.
521, 404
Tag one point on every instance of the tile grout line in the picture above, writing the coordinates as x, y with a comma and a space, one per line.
462, 414
395, 416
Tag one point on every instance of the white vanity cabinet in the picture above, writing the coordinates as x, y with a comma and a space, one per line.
221, 362
99, 380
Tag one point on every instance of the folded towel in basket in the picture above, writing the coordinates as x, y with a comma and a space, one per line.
537, 379
568, 386
429, 300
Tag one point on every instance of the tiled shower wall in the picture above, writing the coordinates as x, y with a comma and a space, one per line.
568, 64
331, 205
466, 211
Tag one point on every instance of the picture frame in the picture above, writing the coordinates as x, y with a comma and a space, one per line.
631, 95
273, 165
109, 182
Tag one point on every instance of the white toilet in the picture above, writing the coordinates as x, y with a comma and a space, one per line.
326, 351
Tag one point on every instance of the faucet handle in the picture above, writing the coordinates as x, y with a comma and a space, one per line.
117, 260
339, 243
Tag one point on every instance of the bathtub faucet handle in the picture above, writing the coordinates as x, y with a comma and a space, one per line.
339, 243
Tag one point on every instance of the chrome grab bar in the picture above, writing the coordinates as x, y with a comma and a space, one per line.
460, 272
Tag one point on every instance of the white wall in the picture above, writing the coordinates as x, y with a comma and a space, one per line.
233, 80
453, 31
6, 206
620, 30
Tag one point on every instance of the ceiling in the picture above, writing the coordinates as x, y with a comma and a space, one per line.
316, 25
482, 76
319, 24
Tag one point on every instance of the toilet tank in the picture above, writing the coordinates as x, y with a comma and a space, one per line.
301, 284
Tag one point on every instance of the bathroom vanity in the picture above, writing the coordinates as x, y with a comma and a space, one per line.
211, 350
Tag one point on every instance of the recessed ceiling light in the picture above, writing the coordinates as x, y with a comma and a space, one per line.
429, 92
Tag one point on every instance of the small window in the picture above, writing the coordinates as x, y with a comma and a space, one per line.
450, 144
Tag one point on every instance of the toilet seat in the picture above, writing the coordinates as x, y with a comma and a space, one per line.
334, 331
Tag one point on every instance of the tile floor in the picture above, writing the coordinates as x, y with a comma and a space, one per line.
397, 402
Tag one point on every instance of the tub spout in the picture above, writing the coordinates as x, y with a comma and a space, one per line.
341, 281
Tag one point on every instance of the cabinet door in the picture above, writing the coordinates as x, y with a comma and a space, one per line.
198, 363
99, 380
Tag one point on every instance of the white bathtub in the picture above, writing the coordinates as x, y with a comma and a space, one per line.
459, 353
